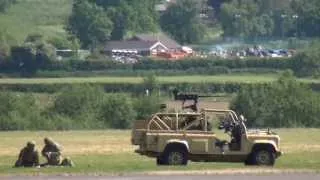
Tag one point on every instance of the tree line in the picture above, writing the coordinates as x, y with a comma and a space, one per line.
95, 21
74, 107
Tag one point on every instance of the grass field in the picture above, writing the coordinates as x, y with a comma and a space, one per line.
110, 151
46, 17
162, 79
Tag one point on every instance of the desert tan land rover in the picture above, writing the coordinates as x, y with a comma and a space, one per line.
176, 138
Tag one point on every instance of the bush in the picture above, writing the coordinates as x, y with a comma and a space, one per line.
285, 103
307, 63
117, 111
88, 107
78, 100
18, 112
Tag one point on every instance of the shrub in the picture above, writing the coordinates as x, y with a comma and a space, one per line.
79, 100
285, 103
307, 63
117, 111
18, 111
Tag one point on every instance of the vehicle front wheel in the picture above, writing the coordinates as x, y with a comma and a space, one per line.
175, 157
160, 161
264, 157
249, 161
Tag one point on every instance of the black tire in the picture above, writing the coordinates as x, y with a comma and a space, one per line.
264, 157
160, 161
249, 161
175, 157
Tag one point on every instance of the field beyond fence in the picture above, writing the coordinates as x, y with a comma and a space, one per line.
110, 151
162, 79
136, 80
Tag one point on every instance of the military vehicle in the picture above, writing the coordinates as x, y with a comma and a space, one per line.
176, 138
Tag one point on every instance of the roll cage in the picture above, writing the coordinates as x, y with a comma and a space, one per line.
185, 121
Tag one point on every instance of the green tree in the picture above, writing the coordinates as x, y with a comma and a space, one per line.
246, 18
182, 21
130, 16
90, 23
216, 5
308, 21
94, 21
33, 55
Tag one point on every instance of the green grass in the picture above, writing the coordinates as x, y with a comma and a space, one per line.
162, 79
110, 151
46, 17
134, 80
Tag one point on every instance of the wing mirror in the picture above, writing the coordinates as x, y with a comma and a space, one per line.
242, 118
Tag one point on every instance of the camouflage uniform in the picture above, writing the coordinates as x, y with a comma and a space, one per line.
28, 156
52, 152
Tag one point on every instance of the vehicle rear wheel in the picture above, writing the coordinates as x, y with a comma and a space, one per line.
264, 157
175, 157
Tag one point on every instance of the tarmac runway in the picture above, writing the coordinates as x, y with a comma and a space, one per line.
294, 176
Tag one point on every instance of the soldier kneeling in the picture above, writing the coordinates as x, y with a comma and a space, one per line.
52, 152
28, 156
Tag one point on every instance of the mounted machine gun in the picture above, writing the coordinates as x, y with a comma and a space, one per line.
188, 97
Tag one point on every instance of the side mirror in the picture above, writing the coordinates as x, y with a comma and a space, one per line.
242, 118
